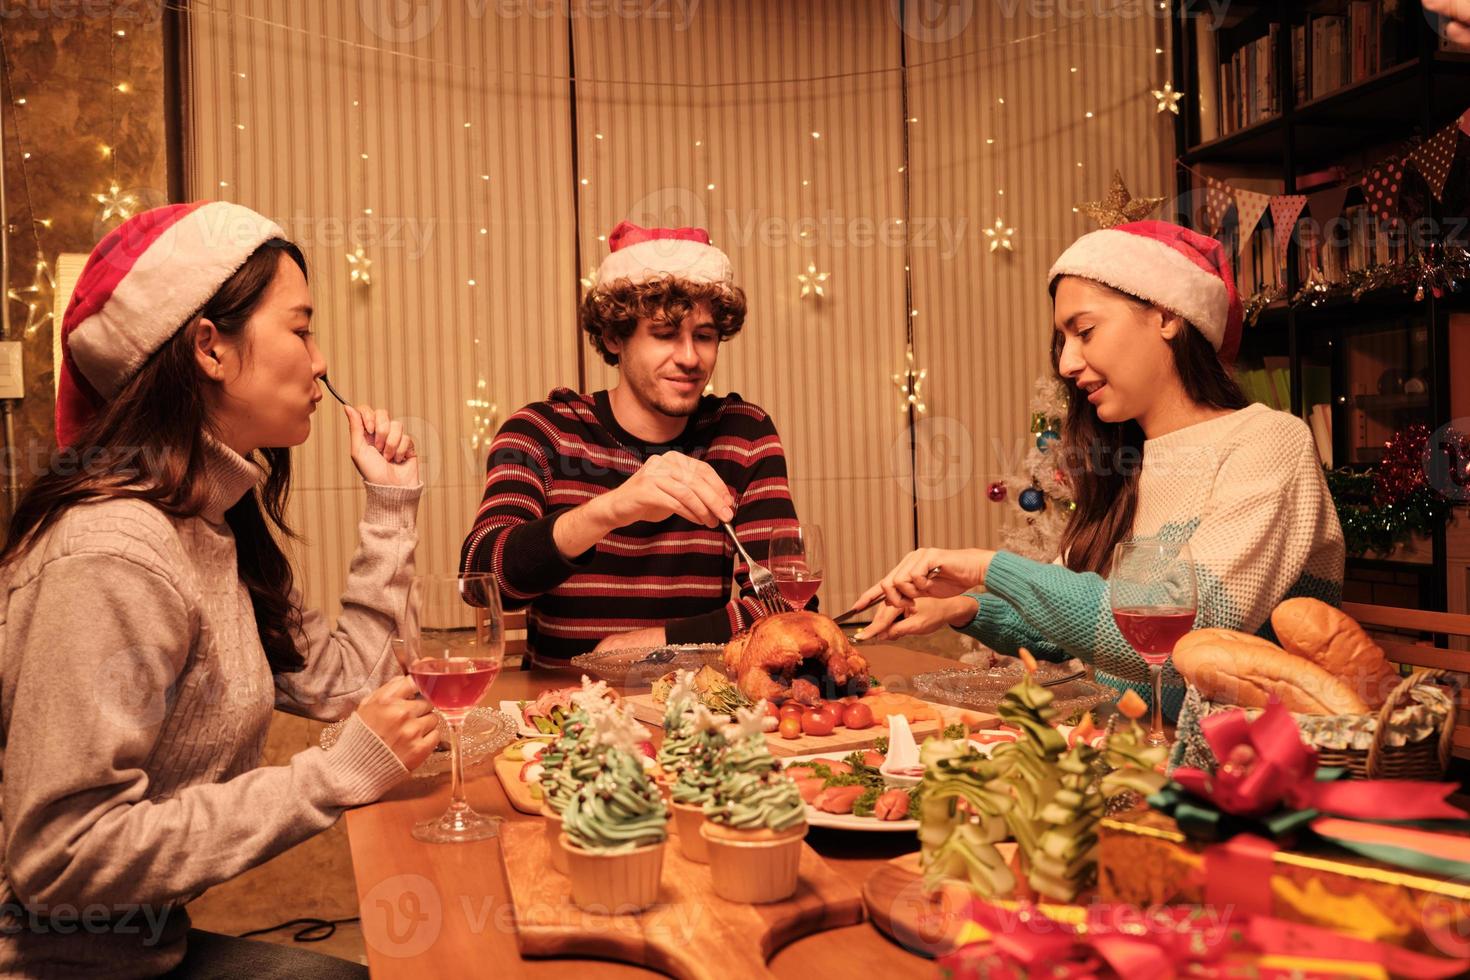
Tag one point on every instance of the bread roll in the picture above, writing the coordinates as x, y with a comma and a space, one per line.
1237, 668
1333, 640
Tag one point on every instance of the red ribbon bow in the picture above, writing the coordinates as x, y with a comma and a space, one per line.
1264, 766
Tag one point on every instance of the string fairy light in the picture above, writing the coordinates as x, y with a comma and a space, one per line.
36, 296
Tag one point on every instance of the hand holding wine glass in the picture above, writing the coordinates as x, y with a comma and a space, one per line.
454, 630
796, 561
1154, 602
405, 723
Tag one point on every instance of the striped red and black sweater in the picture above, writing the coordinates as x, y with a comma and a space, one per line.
555, 454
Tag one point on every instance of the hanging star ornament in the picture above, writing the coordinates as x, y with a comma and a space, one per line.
1168, 98
813, 283
32, 297
361, 266
1000, 236
117, 203
1119, 207
910, 384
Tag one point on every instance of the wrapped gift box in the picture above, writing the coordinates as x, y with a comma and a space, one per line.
1144, 860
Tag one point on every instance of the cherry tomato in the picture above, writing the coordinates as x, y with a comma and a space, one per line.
857, 716
791, 727
832, 711
772, 710
792, 709
816, 722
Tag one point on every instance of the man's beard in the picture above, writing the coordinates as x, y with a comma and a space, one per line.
653, 395
677, 410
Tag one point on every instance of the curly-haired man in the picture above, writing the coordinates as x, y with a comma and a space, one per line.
602, 512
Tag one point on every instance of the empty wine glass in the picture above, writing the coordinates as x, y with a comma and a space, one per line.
1154, 600
796, 561
453, 630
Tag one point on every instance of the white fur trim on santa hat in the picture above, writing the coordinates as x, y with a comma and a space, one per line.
168, 283
1151, 270
680, 259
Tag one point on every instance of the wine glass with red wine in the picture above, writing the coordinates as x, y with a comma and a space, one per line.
796, 561
1155, 598
454, 632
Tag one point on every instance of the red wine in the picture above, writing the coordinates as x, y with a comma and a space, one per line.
797, 585
1153, 630
454, 684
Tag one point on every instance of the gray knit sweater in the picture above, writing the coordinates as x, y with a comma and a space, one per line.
135, 699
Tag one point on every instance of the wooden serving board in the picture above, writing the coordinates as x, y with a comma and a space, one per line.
519, 794
923, 923
691, 934
650, 712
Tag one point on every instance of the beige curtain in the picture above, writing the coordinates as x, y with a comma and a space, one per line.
440, 146
1021, 118
785, 128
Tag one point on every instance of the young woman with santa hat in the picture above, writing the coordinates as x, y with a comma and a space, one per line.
1158, 442
151, 624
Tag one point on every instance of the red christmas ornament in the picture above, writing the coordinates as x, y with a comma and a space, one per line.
996, 492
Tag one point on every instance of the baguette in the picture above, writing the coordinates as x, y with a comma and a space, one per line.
1244, 670
1333, 640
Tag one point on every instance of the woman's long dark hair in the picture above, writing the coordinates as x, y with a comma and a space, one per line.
1103, 460
148, 444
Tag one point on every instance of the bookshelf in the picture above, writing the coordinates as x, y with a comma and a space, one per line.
1297, 98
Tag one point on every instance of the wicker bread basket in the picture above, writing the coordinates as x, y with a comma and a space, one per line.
1427, 758
1361, 744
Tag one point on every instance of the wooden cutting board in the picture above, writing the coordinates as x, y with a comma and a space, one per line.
691, 934
650, 712
923, 923
519, 794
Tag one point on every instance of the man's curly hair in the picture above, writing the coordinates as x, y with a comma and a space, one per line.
615, 311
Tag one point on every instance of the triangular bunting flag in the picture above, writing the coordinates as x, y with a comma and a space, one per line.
1217, 202
1249, 206
1285, 209
1327, 204
1465, 122
1381, 187
1434, 157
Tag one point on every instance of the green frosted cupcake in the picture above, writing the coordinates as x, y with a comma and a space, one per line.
680, 731
751, 792
618, 810
754, 820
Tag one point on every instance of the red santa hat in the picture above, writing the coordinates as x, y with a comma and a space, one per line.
1170, 266
145, 279
639, 255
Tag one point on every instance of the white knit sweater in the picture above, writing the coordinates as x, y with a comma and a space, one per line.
135, 699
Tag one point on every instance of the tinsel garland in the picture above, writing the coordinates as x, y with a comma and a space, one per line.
1382, 507
1440, 269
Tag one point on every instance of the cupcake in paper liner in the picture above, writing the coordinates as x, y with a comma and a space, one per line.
614, 829
680, 734
696, 782
755, 820
572, 760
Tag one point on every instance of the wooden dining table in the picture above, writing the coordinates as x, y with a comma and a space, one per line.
444, 910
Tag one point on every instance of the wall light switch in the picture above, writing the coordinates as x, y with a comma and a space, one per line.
12, 382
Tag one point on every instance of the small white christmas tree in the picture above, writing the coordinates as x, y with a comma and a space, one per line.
1039, 496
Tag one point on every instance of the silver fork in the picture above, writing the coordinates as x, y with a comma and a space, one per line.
761, 578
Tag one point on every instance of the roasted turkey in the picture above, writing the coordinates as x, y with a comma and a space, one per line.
796, 656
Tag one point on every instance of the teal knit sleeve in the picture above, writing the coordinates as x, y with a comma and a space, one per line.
1000, 627
1073, 611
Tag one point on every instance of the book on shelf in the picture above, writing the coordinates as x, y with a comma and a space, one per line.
1351, 244
1239, 86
